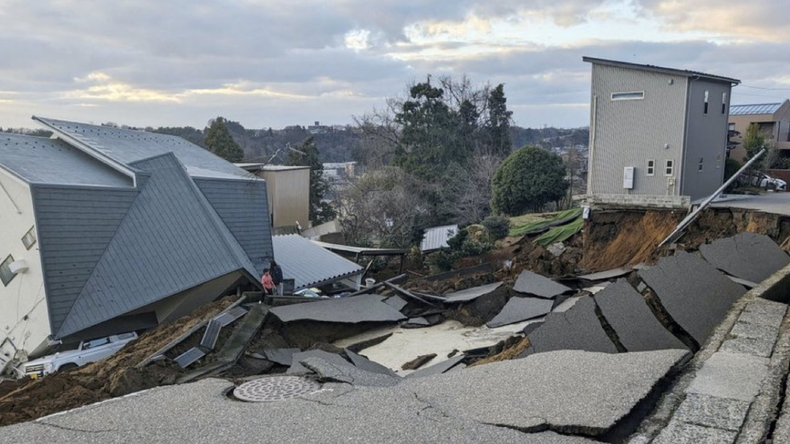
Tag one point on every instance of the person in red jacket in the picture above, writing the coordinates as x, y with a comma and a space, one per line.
267, 282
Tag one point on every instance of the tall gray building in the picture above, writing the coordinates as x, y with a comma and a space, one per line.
658, 136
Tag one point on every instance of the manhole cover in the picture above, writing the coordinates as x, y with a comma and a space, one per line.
275, 388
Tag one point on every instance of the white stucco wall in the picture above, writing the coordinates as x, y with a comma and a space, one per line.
24, 317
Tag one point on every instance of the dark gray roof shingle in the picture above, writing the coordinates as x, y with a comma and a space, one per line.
37, 160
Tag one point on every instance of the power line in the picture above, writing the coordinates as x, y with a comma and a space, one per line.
768, 89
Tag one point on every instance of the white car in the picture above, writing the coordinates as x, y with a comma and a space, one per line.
88, 351
769, 183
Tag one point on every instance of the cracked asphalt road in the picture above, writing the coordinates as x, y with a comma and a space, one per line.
459, 407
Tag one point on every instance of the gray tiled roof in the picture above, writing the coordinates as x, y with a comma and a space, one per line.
128, 146
170, 240
309, 264
48, 161
759, 108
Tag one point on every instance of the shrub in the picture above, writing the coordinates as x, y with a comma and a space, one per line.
498, 226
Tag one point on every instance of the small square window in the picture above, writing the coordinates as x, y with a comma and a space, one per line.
651, 167
699, 168
5, 271
670, 168
29, 239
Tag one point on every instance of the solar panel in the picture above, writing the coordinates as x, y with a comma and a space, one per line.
211, 335
231, 315
190, 357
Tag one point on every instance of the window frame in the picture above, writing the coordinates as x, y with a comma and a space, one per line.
627, 95
701, 164
724, 102
718, 161
706, 98
30, 233
5, 265
669, 167
651, 167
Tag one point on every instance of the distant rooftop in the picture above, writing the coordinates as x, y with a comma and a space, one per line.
757, 108
265, 167
660, 69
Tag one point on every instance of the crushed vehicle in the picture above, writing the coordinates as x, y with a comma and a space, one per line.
88, 351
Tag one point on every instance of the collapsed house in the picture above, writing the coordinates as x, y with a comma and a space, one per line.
107, 230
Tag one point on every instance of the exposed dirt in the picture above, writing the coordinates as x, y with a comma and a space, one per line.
507, 354
113, 377
616, 239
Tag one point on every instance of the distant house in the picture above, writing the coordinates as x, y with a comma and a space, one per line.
773, 120
658, 136
288, 189
106, 230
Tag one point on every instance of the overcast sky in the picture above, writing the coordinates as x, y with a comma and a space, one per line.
272, 63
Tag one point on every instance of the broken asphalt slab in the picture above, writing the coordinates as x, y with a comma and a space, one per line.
282, 356
750, 256
694, 294
298, 369
537, 285
576, 329
350, 310
367, 365
347, 373
473, 293
631, 319
437, 369
520, 309
571, 392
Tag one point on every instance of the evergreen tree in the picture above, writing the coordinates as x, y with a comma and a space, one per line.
220, 142
499, 122
527, 180
320, 211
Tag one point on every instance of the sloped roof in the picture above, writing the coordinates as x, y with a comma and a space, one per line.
170, 240
309, 264
129, 146
660, 69
754, 109
437, 237
46, 161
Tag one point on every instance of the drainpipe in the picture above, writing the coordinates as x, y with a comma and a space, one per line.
593, 130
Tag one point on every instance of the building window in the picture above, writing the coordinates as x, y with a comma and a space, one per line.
670, 167
699, 168
707, 95
5, 271
651, 167
724, 103
29, 239
718, 161
630, 95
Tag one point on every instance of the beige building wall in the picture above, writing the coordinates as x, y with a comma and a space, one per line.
24, 315
289, 196
776, 127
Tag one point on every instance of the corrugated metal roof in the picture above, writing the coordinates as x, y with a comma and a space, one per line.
128, 146
309, 264
169, 241
436, 237
47, 161
758, 108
